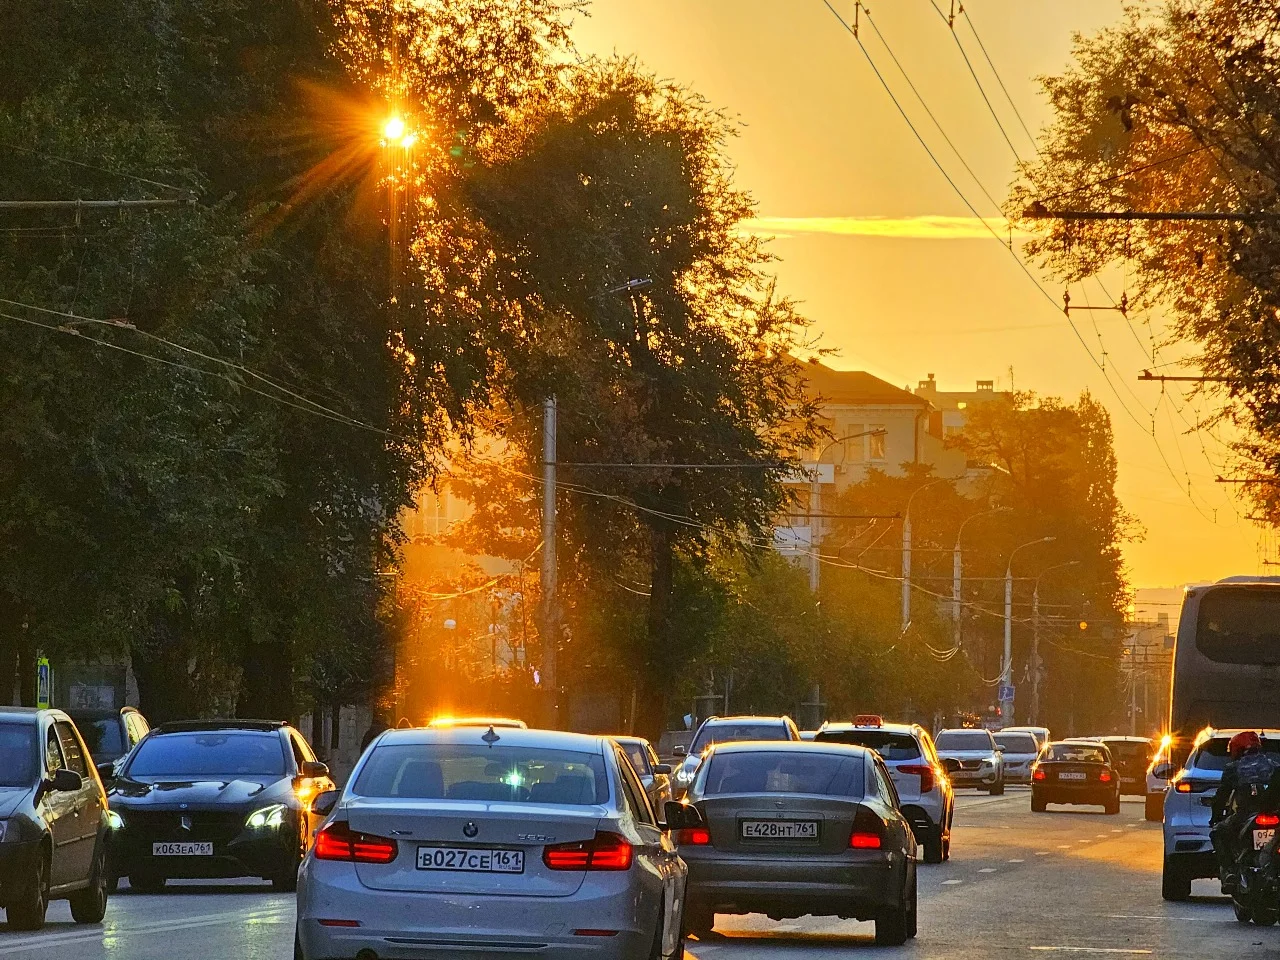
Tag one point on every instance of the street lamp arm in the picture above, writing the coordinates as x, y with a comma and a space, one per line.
979, 516
1029, 543
852, 436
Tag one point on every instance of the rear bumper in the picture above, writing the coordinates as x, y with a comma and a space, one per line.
1195, 866
1091, 795
425, 926
859, 889
17, 869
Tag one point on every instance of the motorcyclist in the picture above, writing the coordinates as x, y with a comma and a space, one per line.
1241, 794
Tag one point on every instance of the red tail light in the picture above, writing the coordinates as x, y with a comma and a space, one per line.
1105, 776
868, 831
1266, 820
865, 841
338, 841
1039, 774
694, 837
925, 772
605, 851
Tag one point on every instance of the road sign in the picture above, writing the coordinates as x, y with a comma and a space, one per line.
1006, 693
44, 683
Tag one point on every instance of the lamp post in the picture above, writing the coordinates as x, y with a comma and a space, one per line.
1006, 672
906, 548
956, 569
815, 496
1035, 637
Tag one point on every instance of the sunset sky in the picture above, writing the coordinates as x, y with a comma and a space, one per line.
897, 274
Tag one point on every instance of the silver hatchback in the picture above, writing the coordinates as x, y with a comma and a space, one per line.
471, 841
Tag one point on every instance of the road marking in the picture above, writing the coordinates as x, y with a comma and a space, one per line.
164, 926
987, 870
1017, 861
1042, 853
1091, 950
1116, 830
1086, 840
1130, 916
950, 882
1064, 846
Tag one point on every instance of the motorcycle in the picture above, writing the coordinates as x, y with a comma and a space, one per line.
1256, 898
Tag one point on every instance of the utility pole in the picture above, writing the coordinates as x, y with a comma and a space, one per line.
906, 549
1006, 670
1035, 638
550, 626
957, 568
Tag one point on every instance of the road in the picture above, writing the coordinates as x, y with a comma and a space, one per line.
1071, 883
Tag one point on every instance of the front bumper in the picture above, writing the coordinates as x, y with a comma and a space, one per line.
266, 852
17, 869
427, 926
984, 777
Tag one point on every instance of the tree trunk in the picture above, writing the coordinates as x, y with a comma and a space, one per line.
651, 717
10, 637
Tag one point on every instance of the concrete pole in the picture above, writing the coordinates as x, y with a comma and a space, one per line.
906, 569
1006, 665
815, 541
1035, 654
550, 627
955, 594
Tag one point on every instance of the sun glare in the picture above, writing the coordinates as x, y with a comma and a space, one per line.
393, 129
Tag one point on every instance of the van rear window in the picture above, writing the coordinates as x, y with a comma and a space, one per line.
1239, 625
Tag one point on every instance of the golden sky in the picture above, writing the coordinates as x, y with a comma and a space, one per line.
895, 271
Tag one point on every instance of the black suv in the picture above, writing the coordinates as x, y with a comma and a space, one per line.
110, 734
53, 820
217, 798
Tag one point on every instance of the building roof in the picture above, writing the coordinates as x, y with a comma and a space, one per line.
855, 387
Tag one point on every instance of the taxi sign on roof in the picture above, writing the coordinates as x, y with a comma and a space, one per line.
868, 720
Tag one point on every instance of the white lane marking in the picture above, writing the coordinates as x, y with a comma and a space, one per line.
1130, 916
1102, 836
1091, 950
1116, 830
1086, 840
1017, 861
164, 926
987, 870
1064, 846
1042, 853
951, 882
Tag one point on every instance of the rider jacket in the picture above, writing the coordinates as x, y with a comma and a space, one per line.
1245, 783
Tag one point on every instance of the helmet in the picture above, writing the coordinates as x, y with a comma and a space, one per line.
1242, 743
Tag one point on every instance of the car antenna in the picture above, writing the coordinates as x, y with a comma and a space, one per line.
491, 737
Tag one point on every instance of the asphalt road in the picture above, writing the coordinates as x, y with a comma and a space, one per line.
1072, 883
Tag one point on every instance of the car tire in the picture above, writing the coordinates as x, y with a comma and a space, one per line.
146, 882
27, 912
1154, 809
893, 926
298, 952
699, 921
913, 908
1112, 806
946, 850
1038, 804
997, 788
935, 848
1242, 912
1265, 916
1175, 885
90, 904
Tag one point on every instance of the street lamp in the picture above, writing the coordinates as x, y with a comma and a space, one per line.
906, 548
815, 496
1035, 636
956, 568
1006, 672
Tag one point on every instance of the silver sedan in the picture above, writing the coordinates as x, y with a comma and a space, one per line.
491, 842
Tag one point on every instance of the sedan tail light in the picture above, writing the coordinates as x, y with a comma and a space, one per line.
1266, 820
924, 771
694, 837
337, 841
868, 831
604, 851
1039, 774
1105, 776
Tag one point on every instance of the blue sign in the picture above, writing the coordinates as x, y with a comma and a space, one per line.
44, 683
1006, 693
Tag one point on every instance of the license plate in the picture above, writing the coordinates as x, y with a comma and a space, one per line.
1072, 776
1262, 837
470, 860
780, 829
183, 849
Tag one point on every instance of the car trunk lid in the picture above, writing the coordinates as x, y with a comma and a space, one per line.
780, 824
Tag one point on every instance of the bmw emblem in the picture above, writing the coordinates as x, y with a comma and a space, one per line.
470, 830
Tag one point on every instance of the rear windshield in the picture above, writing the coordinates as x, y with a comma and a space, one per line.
1129, 750
1212, 754
1077, 752
815, 773
209, 754
436, 771
736, 733
1017, 742
891, 746
964, 740
17, 754
103, 737
1239, 625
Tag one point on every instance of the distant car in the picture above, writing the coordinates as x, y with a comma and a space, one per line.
1075, 772
53, 820
795, 829
655, 776
110, 734
1132, 756
715, 730
216, 798
1020, 752
924, 790
461, 842
1040, 733
498, 723
1159, 772
972, 759
1188, 850
808, 735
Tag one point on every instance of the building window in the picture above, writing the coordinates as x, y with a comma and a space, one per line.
852, 452
876, 443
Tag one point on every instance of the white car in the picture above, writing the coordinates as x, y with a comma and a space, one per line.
1020, 751
1040, 733
924, 790
478, 841
1159, 771
972, 759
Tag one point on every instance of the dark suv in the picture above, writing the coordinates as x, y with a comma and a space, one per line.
110, 734
53, 820
216, 798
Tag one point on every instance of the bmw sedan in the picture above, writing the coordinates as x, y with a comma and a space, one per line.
463, 841
799, 828
217, 798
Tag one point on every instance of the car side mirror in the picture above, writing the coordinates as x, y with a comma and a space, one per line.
313, 769
66, 781
951, 765
679, 751
662, 770
324, 803
107, 770
682, 816
999, 749
1162, 771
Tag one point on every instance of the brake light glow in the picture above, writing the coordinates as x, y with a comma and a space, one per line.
337, 841
864, 841
1266, 820
1105, 776
868, 831
924, 771
1039, 774
1183, 786
694, 837
339, 923
605, 851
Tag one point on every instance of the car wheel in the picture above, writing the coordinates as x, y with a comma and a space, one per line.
298, 953
1038, 804
913, 914
90, 904
1175, 885
699, 921
946, 849
997, 788
1242, 912
1113, 806
934, 845
27, 912
893, 926
146, 882
1265, 916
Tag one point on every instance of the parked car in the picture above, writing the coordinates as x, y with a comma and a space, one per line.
924, 790
53, 820
110, 734
1020, 752
216, 798
1188, 850
467, 841
655, 776
1132, 756
1075, 772
972, 759
715, 730
1159, 772
799, 828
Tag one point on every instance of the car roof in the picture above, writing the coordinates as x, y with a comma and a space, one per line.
31, 714
969, 730
790, 746
1120, 739
845, 726
508, 723
744, 718
628, 738
1211, 733
198, 726
508, 737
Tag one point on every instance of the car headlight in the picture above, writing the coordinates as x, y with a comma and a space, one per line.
3, 824
272, 816
114, 820
685, 775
